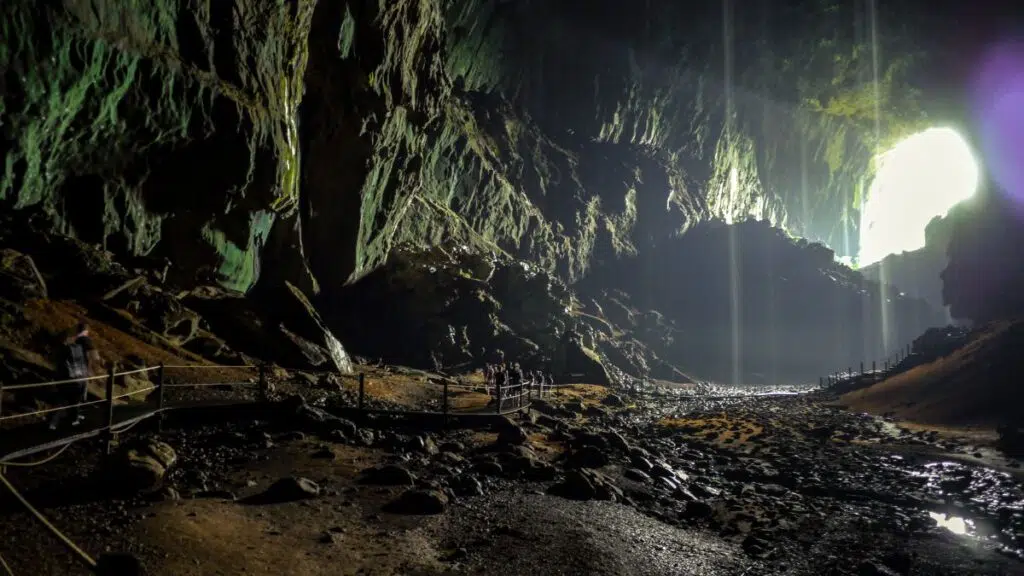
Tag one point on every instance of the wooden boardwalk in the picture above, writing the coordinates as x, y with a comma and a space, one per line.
30, 439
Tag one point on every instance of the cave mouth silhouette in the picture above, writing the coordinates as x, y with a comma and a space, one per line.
920, 178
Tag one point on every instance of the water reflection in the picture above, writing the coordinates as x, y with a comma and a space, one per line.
954, 524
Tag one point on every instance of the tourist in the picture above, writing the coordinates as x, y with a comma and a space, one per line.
77, 359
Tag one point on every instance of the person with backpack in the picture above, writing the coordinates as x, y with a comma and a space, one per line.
76, 359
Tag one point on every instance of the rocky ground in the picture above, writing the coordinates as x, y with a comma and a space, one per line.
586, 483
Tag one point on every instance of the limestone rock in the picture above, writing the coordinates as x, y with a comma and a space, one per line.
319, 420
511, 434
418, 502
290, 489
19, 277
142, 466
613, 400
587, 457
388, 475
586, 485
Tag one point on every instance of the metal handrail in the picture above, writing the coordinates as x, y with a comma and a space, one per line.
208, 366
135, 392
52, 383
49, 410
205, 384
76, 380
112, 429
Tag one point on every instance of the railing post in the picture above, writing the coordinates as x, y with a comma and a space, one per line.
362, 391
264, 382
160, 397
497, 395
444, 406
110, 408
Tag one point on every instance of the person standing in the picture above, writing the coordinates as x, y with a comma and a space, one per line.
77, 359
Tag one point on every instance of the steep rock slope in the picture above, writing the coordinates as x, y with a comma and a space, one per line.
974, 384
454, 309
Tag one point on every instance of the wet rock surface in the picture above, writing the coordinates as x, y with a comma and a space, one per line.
714, 484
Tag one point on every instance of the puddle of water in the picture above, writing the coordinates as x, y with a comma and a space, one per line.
955, 524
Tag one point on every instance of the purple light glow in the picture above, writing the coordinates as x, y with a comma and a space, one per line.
999, 108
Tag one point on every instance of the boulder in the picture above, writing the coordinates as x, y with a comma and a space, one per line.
423, 444
467, 485
697, 509
613, 401
20, 280
586, 485
418, 502
389, 475
488, 468
164, 314
143, 465
636, 475
587, 457
456, 447
365, 437
289, 490
318, 420
617, 441
588, 438
512, 435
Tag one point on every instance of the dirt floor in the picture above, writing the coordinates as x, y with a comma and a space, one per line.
724, 486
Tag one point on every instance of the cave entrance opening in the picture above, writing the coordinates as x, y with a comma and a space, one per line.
920, 178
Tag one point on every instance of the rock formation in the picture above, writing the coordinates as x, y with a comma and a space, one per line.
278, 149
984, 278
916, 273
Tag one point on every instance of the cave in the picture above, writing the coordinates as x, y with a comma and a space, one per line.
749, 269
366, 131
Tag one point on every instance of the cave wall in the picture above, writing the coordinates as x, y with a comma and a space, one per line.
564, 133
255, 143
766, 110
984, 278
163, 129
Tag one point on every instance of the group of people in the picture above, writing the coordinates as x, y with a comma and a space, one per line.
510, 375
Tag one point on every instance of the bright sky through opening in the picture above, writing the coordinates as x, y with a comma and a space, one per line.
920, 178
